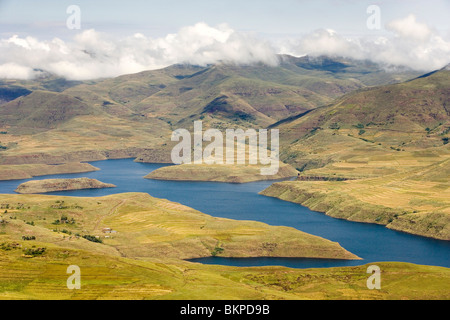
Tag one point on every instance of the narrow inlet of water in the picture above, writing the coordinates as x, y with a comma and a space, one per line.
373, 243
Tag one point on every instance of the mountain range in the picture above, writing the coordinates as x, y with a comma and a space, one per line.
255, 94
141, 110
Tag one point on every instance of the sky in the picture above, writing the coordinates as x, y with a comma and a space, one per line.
109, 38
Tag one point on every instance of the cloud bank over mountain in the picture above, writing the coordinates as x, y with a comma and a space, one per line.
91, 54
411, 44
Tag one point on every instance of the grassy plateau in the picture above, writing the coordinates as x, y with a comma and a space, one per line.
132, 246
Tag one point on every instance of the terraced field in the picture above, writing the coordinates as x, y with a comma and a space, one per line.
415, 200
139, 226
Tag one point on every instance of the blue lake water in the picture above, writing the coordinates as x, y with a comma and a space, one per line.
371, 242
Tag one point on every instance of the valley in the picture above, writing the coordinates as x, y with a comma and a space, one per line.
356, 142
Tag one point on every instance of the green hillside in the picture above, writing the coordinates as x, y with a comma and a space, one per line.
11, 89
131, 246
147, 227
409, 116
42, 110
376, 155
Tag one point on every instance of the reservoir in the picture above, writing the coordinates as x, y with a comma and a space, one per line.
373, 243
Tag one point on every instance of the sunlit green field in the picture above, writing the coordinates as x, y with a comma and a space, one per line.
140, 255
105, 276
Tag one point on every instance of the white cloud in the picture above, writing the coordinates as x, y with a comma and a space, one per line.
15, 71
92, 54
412, 44
324, 42
410, 28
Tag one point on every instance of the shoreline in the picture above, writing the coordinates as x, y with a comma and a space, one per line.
325, 207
